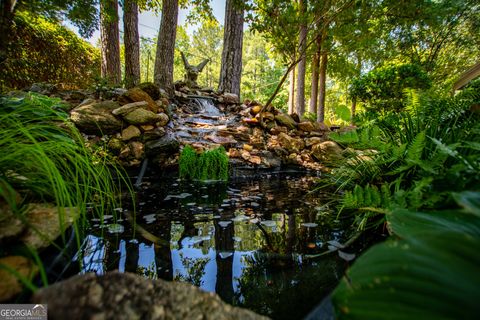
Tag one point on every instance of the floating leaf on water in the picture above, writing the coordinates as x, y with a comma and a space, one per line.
336, 244
346, 256
268, 223
150, 218
309, 224
224, 224
240, 218
225, 255
332, 248
116, 228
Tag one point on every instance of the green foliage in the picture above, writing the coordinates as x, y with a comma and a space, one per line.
43, 157
45, 51
383, 88
429, 272
209, 165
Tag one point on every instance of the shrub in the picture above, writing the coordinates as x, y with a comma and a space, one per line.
383, 88
44, 51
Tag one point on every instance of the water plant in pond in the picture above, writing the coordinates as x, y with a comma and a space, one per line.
208, 165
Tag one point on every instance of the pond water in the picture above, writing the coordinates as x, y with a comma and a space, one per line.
249, 240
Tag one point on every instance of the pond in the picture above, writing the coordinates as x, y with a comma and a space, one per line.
252, 240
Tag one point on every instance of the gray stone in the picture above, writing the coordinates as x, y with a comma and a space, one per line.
129, 107
96, 118
46, 223
130, 132
127, 296
327, 151
166, 144
293, 145
285, 120
142, 116
164, 119
138, 95
154, 134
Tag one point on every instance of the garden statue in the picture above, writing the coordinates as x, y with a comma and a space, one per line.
193, 71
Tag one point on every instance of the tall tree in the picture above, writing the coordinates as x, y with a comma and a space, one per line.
322, 82
165, 55
291, 91
301, 70
231, 69
110, 41
312, 108
132, 43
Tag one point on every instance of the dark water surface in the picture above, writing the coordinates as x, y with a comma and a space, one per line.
250, 241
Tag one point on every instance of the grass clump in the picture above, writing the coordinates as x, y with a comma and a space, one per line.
208, 165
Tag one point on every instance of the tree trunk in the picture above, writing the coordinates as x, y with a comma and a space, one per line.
164, 58
231, 69
132, 43
291, 92
323, 81
354, 100
302, 43
7, 12
110, 38
315, 73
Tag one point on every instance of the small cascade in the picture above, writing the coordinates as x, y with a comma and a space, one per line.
207, 108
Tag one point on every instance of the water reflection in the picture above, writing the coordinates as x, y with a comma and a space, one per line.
248, 241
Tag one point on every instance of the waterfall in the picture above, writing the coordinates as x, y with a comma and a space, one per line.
207, 107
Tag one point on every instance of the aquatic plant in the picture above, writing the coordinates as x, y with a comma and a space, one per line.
208, 165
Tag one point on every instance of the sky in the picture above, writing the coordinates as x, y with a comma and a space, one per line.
149, 22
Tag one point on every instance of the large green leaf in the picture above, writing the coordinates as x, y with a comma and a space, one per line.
430, 276
405, 223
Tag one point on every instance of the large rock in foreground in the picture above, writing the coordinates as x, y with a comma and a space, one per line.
127, 296
97, 118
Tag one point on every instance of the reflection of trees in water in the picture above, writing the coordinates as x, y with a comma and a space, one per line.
195, 270
224, 243
273, 285
149, 272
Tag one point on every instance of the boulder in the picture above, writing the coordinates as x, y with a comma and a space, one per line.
229, 98
313, 140
10, 285
163, 120
142, 116
293, 145
129, 107
327, 151
138, 95
96, 118
166, 144
151, 89
285, 120
127, 296
137, 149
46, 223
255, 109
306, 126
154, 134
130, 132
